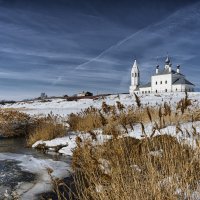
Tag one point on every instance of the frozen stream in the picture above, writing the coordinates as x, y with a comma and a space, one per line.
23, 171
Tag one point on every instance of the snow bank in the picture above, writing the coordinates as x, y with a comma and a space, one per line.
171, 130
70, 140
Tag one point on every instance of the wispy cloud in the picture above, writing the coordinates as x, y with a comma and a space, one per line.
89, 46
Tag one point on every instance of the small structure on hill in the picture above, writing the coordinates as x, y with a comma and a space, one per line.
164, 80
84, 94
43, 96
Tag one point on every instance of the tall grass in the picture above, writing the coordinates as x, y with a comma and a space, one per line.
159, 168
46, 128
125, 168
13, 123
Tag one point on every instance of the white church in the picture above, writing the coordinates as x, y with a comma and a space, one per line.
164, 80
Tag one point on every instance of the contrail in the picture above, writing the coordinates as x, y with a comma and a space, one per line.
108, 49
125, 39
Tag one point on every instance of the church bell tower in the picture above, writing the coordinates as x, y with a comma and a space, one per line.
135, 77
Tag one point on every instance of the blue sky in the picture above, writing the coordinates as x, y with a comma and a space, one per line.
67, 46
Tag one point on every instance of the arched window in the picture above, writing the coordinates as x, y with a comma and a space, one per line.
165, 90
161, 82
156, 91
165, 82
135, 74
156, 82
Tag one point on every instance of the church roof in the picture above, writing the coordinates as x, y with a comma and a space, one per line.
146, 85
166, 71
182, 80
135, 65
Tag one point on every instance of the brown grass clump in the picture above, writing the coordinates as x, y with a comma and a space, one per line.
46, 128
13, 123
127, 168
87, 120
184, 103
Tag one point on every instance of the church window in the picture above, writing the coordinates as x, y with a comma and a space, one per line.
135, 74
176, 89
165, 82
156, 82
160, 82
165, 90
156, 91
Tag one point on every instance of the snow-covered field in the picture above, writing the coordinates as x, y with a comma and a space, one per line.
63, 107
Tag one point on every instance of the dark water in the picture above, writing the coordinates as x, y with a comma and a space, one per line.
18, 146
10, 172
14, 145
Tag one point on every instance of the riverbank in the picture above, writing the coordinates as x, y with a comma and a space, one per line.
24, 171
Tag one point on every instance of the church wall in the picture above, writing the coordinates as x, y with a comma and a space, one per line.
189, 88
161, 83
178, 88
182, 88
132, 88
145, 90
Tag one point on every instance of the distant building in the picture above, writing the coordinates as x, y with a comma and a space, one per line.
43, 96
84, 94
164, 80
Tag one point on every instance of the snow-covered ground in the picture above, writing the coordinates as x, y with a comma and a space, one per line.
63, 107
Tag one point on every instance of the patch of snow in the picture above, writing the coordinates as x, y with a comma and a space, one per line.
136, 167
70, 140
156, 153
104, 166
99, 188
